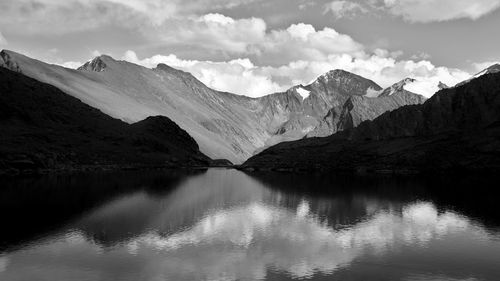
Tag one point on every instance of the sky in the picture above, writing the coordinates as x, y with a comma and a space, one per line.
257, 47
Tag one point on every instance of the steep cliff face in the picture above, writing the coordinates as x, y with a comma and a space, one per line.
226, 126
44, 128
458, 128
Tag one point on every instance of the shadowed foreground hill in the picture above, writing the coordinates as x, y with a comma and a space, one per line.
43, 128
456, 129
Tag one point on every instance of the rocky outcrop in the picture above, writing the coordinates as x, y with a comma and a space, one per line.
45, 129
442, 86
456, 129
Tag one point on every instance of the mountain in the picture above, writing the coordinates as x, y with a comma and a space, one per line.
225, 125
458, 128
495, 68
293, 114
44, 128
442, 86
358, 108
490, 70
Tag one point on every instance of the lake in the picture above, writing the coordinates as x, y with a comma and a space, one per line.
224, 224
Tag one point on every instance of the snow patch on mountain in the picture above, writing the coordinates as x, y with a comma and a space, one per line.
303, 93
398, 87
372, 93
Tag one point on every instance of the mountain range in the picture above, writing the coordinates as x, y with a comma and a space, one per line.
456, 129
225, 125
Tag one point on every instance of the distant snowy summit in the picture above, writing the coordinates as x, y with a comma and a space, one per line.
397, 87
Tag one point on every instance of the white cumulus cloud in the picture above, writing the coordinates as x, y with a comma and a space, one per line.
303, 42
212, 32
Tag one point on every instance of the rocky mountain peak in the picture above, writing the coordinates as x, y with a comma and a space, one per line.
397, 87
442, 85
169, 69
340, 82
186, 76
165, 67
332, 74
7, 61
98, 64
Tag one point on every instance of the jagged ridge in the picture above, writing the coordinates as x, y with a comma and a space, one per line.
458, 128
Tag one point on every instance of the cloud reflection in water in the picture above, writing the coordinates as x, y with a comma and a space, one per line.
240, 243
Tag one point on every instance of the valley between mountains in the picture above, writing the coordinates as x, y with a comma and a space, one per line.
110, 112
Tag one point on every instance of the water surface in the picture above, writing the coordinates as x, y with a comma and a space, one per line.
227, 225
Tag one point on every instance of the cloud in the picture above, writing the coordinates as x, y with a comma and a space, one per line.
440, 10
243, 242
303, 42
177, 25
251, 59
217, 33
72, 64
214, 32
341, 9
415, 11
3, 41
305, 4
46, 16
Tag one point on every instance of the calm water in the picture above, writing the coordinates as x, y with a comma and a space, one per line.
226, 225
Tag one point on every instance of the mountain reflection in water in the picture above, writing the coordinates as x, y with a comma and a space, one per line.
226, 225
